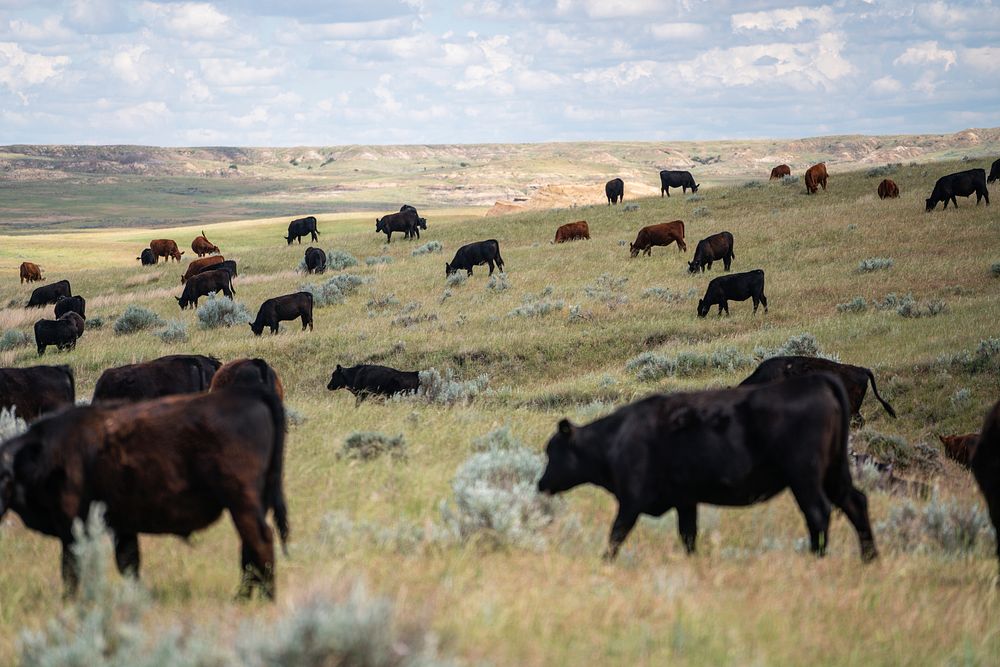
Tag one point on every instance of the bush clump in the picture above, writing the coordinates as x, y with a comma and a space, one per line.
339, 259
882, 172
939, 525
906, 306
895, 451
668, 295
629, 208
175, 332
984, 359
699, 212
382, 302
447, 389
650, 366
537, 305
789, 179
752, 185
498, 282
799, 345
95, 322
456, 279
13, 339
380, 259
856, 305
874, 264
136, 318
334, 290
222, 312
608, 289
368, 445
428, 248
10, 424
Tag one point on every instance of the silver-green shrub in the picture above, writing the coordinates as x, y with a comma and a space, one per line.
498, 282
856, 305
10, 424
136, 318
379, 259
222, 312
368, 445
456, 279
937, 526
447, 389
428, 248
339, 259
874, 264
175, 332
13, 339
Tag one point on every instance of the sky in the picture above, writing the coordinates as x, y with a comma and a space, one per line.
325, 72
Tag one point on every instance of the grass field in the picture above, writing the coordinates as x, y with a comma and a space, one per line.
749, 596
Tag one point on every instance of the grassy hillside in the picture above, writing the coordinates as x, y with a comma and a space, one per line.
750, 596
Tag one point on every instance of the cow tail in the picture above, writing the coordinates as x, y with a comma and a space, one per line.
885, 404
274, 490
683, 233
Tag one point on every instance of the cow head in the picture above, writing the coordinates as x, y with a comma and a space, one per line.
694, 188
930, 204
422, 223
182, 302
448, 270
379, 225
566, 466
256, 328
633, 249
338, 380
693, 267
703, 308
289, 238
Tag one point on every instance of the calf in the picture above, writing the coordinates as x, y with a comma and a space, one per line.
302, 227
662, 234
49, 294
736, 287
816, 176
994, 172
78, 322
614, 190
854, 378
888, 189
284, 308
201, 246
780, 172
76, 304
960, 448
315, 260
62, 333
959, 184
986, 468
572, 231
203, 284
165, 376
405, 221
677, 179
475, 254
199, 265
248, 373
167, 466
30, 272
712, 249
730, 447
36, 390
165, 248
368, 379
147, 257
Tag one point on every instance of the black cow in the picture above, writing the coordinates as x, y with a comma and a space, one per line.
854, 378
203, 284
301, 227
225, 265
283, 308
736, 287
315, 260
994, 172
369, 379
959, 184
406, 221
77, 320
167, 466
165, 376
677, 179
147, 257
49, 294
62, 333
712, 249
730, 447
986, 468
614, 190
36, 390
474, 254
76, 304
421, 223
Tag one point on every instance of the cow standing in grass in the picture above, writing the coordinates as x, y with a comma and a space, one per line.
888, 189
203, 284
165, 248
780, 172
960, 184
248, 373
282, 309
475, 254
677, 179
302, 227
662, 234
48, 295
199, 265
165, 376
712, 249
370, 379
315, 260
147, 257
614, 190
572, 231
30, 272
76, 304
736, 287
202, 246
62, 333
35, 390
816, 176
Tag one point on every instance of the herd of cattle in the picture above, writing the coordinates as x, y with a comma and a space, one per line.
151, 445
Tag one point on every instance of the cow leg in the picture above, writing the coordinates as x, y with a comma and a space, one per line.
360, 397
763, 300
41, 349
854, 504
816, 508
256, 551
490, 262
127, 554
468, 271
624, 522
687, 526
756, 302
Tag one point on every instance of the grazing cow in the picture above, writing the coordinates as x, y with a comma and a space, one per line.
167, 466
960, 448
888, 189
165, 248
301, 227
147, 257
165, 376
30, 272
77, 304
284, 308
227, 265
854, 378
959, 184
663, 233
78, 322
49, 294
421, 223
712, 249
62, 333
735, 287
248, 373
368, 379
199, 265
475, 254
202, 246
406, 221
614, 190
36, 390
203, 284
816, 176
315, 260
986, 468
572, 231
780, 172
731, 447
994, 172
677, 179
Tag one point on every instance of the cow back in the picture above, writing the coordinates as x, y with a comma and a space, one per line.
36, 390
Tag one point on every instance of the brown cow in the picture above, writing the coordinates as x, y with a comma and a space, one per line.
663, 234
888, 189
960, 448
816, 176
202, 246
30, 272
248, 373
780, 171
197, 265
165, 248
572, 231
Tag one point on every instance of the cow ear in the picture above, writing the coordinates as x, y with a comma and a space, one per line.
339, 367
566, 427
942, 439
178, 299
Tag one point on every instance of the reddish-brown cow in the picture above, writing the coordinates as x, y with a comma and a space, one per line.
888, 189
197, 265
202, 246
663, 234
816, 176
572, 231
960, 448
30, 272
248, 373
780, 171
165, 248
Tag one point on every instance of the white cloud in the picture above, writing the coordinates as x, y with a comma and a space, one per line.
144, 115
97, 16
20, 69
986, 58
379, 29
885, 85
610, 9
783, 19
127, 64
927, 53
230, 72
188, 20
49, 31
678, 31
